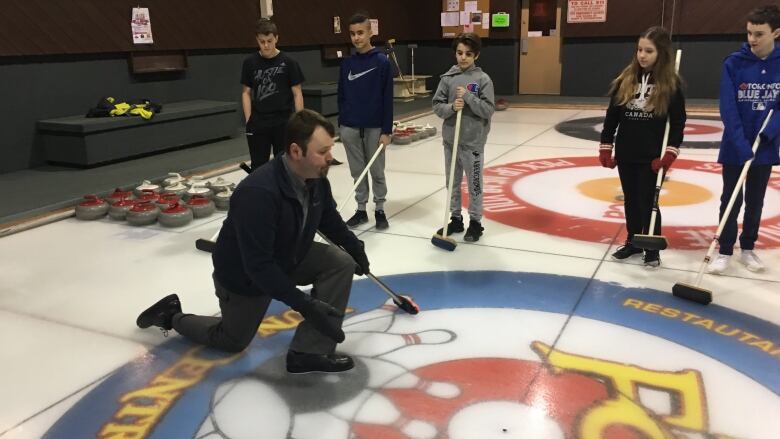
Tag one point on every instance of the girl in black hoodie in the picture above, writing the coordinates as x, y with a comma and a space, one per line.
642, 97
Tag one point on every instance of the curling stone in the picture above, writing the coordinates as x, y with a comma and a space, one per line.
431, 130
146, 186
414, 134
177, 189
91, 208
118, 210
198, 188
402, 139
173, 178
201, 206
118, 195
175, 215
222, 199
220, 185
423, 133
148, 195
166, 200
143, 213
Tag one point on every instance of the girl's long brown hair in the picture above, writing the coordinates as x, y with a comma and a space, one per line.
666, 80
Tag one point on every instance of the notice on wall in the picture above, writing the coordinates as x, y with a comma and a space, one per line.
453, 5
450, 18
587, 11
374, 26
141, 26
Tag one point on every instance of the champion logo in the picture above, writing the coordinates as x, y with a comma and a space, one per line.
355, 76
473, 87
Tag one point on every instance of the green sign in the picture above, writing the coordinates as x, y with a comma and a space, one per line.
500, 19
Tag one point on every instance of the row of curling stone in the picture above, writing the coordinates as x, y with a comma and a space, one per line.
151, 207
406, 134
185, 188
174, 203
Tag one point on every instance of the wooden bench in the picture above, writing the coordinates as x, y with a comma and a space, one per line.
83, 141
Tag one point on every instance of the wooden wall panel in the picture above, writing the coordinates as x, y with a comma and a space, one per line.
42, 27
304, 22
691, 17
624, 18
713, 17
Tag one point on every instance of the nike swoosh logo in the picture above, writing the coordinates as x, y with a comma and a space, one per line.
352, 77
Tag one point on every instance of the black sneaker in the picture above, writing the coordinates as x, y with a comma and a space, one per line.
455, 226
301, 362
474, 231
381, 220
626, 251
652, 259
160, 314
360, 217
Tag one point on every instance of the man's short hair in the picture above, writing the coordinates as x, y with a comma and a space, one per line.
265, 26
301, 126
470, 40
769, 14
359, 17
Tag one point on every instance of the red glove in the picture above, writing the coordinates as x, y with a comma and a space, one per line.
670, 155
605, 156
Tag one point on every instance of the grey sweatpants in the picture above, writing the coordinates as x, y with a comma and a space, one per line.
328, 268
361, 144
470, 161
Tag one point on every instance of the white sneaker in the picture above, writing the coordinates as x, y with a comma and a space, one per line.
719, 264
749, 259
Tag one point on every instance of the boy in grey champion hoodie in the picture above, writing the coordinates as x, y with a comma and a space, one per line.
467, 88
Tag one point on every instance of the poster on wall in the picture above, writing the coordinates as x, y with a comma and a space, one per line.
587, 11
141, 26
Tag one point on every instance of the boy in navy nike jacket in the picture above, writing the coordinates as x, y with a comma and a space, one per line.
749, 88
365, 97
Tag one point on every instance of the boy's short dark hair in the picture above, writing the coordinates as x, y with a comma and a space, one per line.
470, 40
265, 26
359, 17
769, 14
301, 126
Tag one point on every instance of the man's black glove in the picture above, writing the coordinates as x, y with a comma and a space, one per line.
322, 316
358, 253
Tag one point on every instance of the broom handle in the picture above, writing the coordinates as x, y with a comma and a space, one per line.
453, 159
737, 190
660, 179
362, 176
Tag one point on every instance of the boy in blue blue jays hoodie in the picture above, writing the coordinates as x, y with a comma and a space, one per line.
365, 100
749, 88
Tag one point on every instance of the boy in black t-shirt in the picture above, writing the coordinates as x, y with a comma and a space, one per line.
271, 93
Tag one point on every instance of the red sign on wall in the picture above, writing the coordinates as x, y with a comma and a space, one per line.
587, 11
